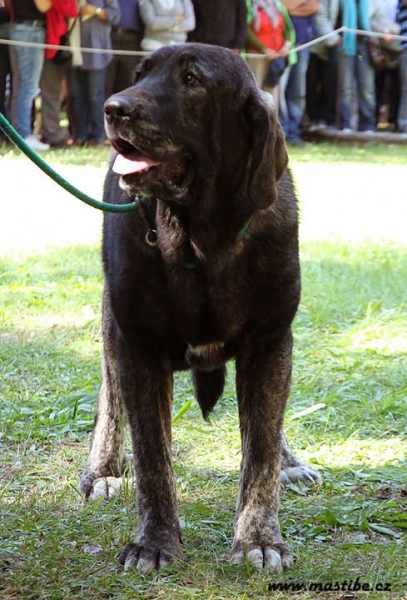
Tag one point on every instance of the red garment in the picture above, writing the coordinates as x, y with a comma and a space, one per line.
271, 37
57, 24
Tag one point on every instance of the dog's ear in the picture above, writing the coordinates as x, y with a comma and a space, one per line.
269, 156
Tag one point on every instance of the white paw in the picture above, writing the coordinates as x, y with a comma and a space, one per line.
109, 487
301, 472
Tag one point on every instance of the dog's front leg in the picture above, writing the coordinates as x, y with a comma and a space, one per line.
147, 388
263, 374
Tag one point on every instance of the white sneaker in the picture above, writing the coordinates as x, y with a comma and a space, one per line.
36, 144
347, 130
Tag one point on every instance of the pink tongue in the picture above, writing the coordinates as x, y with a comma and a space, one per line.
125, 165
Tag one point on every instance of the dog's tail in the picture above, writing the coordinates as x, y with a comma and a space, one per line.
208, 387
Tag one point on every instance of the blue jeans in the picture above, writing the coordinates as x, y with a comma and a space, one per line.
88, 90
5, 69
292, 96
358, 69
26, 66
402, 111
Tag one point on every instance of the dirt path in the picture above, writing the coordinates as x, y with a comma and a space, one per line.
35, 212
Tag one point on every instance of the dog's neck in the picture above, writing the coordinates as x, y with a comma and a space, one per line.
200, 232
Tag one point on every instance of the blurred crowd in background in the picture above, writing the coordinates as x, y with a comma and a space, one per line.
345, 82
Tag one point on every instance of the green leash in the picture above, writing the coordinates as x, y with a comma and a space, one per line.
25, 148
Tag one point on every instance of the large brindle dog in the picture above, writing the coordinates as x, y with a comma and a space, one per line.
205, 271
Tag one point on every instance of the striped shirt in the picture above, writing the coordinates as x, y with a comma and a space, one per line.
402, 21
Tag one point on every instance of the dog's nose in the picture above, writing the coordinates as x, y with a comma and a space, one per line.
118, 106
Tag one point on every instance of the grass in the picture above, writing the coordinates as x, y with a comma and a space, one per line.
325, 152
350, 366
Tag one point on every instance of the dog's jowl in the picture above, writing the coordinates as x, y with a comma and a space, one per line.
206, 270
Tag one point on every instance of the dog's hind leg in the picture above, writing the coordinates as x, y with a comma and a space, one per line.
293, 469
208, 386
107, 456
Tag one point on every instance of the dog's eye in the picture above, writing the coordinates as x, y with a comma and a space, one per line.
189, 78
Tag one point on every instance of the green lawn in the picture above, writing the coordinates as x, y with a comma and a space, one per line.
350, 364
320, 152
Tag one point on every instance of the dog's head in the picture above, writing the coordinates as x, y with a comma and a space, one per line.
194, 115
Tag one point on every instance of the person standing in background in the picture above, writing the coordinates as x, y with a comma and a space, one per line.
127, 35
28, 25
53, 73
293, 80
5, 69
357, 72
387, 81
220, 23
88, 79
166, 22
270, 33
322, 74
402, 111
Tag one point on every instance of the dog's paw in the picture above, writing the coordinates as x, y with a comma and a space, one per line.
257, 540
148, 558
86, 483
301, 472
109, 487
274, 558
97, 476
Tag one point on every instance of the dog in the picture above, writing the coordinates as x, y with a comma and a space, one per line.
205, 271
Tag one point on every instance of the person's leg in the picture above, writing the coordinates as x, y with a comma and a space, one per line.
381, 96
96, 79
51, 81
346, 89
69, 102
295, 95
393, 96
402, 111
330, 111
119, 72
365, 77
111, 71
313, 89
79, 83
125, 72
26, 64
5, 68
127, 64
283, 113
276, 94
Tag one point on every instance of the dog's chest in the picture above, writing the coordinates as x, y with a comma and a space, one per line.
209, 305
204, 284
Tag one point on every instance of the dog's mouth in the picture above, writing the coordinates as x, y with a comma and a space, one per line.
165, 173
130, 160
